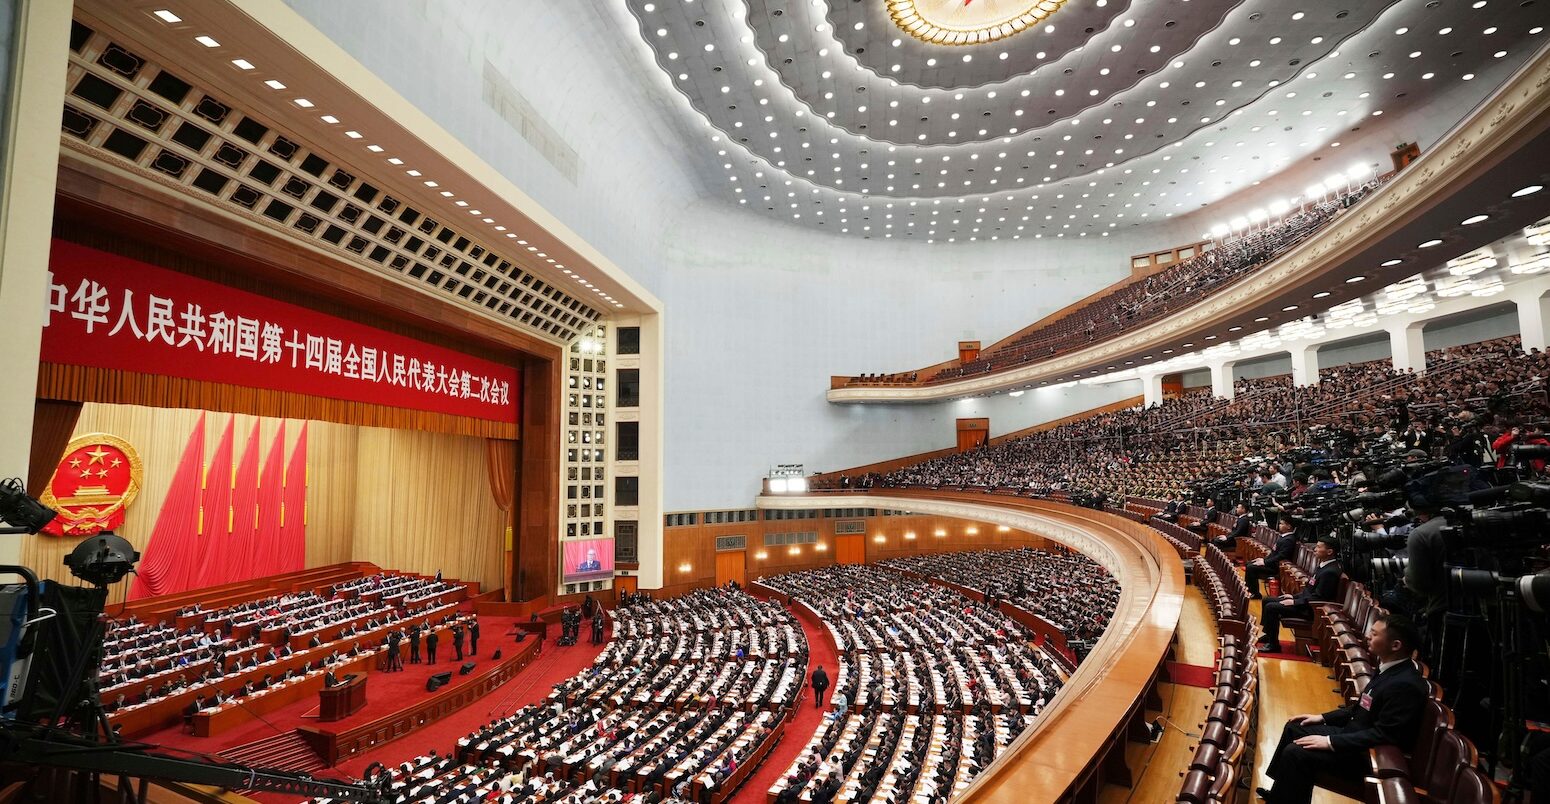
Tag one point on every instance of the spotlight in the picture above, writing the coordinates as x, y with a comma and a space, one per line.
102, 559
21, 510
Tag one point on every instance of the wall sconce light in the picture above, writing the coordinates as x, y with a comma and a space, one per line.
820, 547
1004, 529
972, 531
794, 550
685, 567
940, 533
879, 538
910, 535
761, 555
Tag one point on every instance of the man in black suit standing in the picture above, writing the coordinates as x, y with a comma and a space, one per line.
1324, 588
1285, 549
473, 635
414, 644
820, 683
457, 640
1336, 742
430, 646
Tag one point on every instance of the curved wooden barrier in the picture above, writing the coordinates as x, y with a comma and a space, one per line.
1078, 745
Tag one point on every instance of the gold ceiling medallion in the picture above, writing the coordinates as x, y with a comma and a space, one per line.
969, 22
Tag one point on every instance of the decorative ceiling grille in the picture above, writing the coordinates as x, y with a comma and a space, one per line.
124, 109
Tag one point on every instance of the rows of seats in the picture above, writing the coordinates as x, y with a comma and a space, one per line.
1155, 296
243, 649
931, 686
683, 703
1225, 754
1068, 589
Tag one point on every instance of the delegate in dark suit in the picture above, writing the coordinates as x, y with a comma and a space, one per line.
1204, 525
1285, 549
1240, 529
1336, 742
1324, 587
430, 647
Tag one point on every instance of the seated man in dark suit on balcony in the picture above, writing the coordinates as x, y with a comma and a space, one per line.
1323, 588
1285, 549
1336, 742
1240, 529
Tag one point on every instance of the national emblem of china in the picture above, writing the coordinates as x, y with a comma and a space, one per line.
96, 480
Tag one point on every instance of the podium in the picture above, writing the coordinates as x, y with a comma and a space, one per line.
343, 699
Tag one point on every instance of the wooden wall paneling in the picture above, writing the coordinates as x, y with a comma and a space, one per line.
731, 565
850, 548
538, 493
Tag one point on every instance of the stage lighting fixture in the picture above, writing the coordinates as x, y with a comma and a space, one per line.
21, 510
102, 559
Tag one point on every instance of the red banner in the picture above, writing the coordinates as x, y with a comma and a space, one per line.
112, 312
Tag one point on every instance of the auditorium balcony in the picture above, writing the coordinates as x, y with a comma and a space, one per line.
1347, 239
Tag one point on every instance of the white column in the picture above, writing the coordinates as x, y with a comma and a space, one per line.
1151, 389
1221, 379
652, 443
1305, 364
1409, 348
1533, 312
31, 159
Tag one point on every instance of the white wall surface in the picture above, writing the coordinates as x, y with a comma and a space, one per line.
758, 313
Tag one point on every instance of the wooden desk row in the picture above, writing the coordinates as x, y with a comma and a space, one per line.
236, 713
169, 710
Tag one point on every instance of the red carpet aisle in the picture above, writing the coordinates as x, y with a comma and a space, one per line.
385, 693
531, 686
804, 721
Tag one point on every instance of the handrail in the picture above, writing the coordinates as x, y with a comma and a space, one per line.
1079, 741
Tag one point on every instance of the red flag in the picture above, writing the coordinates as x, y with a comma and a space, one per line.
271, 497
294, 527
165, 568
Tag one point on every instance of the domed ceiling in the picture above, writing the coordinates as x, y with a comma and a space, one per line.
1054, 119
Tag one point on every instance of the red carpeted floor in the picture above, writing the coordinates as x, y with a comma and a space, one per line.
388, 692
804, 717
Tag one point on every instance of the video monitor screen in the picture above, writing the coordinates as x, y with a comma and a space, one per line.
587, 560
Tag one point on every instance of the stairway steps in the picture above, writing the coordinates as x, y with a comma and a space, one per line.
283, 752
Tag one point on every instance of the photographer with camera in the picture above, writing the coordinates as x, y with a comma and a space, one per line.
1525, 435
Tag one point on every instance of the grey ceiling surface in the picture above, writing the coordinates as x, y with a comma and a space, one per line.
824, 113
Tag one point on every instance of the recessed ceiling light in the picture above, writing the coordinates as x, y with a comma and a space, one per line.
1262, 319
206, 41
304, 103
1353, 280
354, 135
167, 16
1288, 308
1430, 243
1234, 329
273, 84
1529, 190
413, 172
429, 183
1321, 294
242, 64
376, 149
1391, 263
1473, 219
395, 161
329, 119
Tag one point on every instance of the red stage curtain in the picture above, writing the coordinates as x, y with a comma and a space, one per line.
240, 562
501, 461
215, 512
294, 516
267, 559
167, 563
53, 423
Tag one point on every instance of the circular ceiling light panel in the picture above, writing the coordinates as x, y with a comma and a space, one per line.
969, 22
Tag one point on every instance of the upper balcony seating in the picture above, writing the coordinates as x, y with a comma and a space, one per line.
1142, 302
